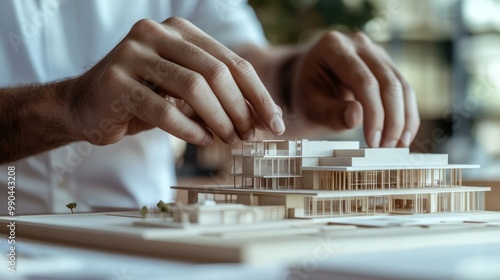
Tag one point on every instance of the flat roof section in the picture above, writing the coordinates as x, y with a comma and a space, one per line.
329, 194
376, 168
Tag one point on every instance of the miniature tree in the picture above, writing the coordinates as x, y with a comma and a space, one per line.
160, 203
71, 206
164, 208
144, 211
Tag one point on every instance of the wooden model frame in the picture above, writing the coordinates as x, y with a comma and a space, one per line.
333, 178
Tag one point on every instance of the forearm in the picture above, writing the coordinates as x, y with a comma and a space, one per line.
34, 119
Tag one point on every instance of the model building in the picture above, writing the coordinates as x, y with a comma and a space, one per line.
309, 179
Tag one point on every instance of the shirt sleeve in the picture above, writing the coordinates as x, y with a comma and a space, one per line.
231, 22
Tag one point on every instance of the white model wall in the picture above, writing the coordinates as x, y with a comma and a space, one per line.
379, 161
373, 152
325, 148
313, 150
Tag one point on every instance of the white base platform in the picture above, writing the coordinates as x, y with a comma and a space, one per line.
267, 242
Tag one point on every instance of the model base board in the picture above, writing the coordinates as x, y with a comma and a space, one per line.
268, 242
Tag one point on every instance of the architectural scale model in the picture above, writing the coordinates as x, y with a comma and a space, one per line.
310, 179
290, 201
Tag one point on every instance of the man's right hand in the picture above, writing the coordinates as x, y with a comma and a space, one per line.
173, 76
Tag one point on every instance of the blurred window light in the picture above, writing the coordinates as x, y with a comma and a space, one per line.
485, 92
354, 6
482, 55
487, 134
482, 15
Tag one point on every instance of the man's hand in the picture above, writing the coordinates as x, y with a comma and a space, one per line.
173, 76
169, 75
341, 81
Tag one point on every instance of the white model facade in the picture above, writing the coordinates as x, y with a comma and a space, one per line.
333, 178
225, 214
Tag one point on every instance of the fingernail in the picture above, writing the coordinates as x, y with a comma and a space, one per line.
377, 135
406, 138
234, 137
277, 125
249, 135
390, 144
208, 140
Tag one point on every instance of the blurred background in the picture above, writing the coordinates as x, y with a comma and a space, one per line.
449, 50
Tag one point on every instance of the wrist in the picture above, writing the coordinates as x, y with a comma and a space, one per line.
71, 120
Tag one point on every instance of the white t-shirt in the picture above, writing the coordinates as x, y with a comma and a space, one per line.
47, 40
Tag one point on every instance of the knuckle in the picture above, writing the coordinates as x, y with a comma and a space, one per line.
332, 37
145, 28
128, 48
165, 113
176, 22
360, 39
334, 42
362, 44
111, 74
265, 99
218, 72
240, 66
367, 80
392, 84
192, 83
137, 101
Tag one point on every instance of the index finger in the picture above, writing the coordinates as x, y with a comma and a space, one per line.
242, 71
343, 61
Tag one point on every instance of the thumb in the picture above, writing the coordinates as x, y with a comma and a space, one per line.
335, 114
